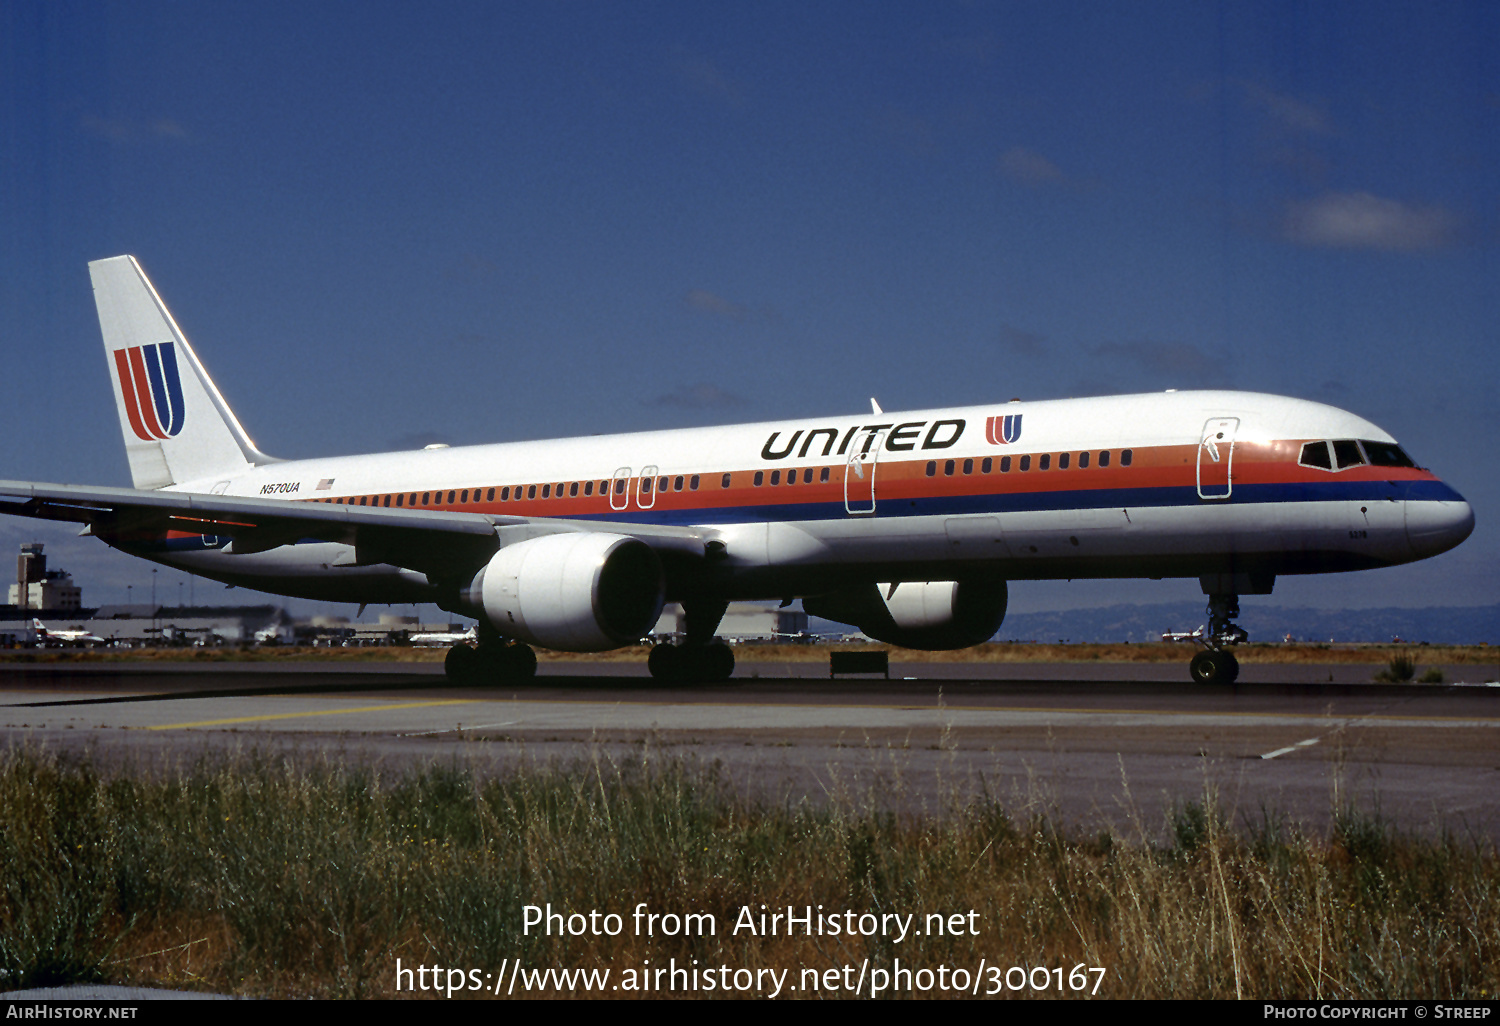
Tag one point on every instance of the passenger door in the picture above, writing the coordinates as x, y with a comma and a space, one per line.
1216, 458
859, 472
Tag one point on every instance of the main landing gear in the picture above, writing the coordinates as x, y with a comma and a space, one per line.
701, 658
493, 661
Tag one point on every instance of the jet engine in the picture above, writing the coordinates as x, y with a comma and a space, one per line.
576, 592
930, 615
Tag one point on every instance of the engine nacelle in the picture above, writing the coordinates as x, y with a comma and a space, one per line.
576, 592
930, 615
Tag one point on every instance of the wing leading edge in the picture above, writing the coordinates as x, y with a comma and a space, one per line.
440, 544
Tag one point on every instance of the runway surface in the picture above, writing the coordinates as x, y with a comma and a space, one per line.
1118, 744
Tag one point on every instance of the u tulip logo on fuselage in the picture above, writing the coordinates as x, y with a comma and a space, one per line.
152, 390
1002, 430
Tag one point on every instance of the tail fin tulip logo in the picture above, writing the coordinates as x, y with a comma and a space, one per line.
152, 389
1002, 430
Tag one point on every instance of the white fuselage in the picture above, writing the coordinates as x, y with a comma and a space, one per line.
1175, 484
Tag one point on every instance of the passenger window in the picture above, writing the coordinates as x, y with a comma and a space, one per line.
573, 490
948, 469
399, 498
823, 477
490, 495
1025, 462
645, 486
677, 483
619, 486
807, 476
1005, 464
450, 498
987, 465
588, 488
387, 500
693, 483
1126, 455
546, 491
425, 497
505, 494
413, 500
932, 468
760, 477
1083, 461
1346, 452
465, 496
531, 491
1104, 458
1062, 461
725, 482
661, 485
776, 477
1044, 462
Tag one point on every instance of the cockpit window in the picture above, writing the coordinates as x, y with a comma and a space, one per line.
1346, 452
1386, 454
1315, 454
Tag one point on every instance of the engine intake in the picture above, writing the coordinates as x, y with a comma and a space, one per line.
576, 592
930, 615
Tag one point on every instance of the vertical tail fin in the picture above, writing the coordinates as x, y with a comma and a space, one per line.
177, 426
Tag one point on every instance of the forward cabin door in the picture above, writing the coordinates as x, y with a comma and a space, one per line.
1216, 458
859, 472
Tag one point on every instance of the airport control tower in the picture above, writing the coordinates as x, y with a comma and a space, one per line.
37, 587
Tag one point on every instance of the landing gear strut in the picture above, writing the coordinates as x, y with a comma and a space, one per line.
701, 657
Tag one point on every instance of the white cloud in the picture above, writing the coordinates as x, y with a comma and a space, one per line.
700, 396
1362, 220
1029, 167
706, 302
1287, 111
129, 130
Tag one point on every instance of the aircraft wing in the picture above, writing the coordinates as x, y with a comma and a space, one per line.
439, 543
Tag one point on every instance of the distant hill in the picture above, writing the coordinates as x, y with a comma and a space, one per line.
1449, 625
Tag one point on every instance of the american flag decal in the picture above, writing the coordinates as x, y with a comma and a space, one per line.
1002, 430
152, 390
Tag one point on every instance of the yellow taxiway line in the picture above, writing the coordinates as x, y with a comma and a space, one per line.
320, 712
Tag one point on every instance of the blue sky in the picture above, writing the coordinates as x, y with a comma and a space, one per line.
388, 224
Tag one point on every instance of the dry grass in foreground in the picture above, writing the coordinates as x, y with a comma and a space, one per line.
267, 877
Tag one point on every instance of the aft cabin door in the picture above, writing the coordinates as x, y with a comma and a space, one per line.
619, 491
1216, 458
859, 472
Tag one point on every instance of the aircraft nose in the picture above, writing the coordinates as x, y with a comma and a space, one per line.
1434, 526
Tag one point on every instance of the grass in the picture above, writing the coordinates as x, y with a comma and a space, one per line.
267, 876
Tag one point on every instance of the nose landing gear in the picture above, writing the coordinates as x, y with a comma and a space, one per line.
1216, 664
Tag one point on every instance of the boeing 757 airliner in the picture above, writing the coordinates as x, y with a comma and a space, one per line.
906, 525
